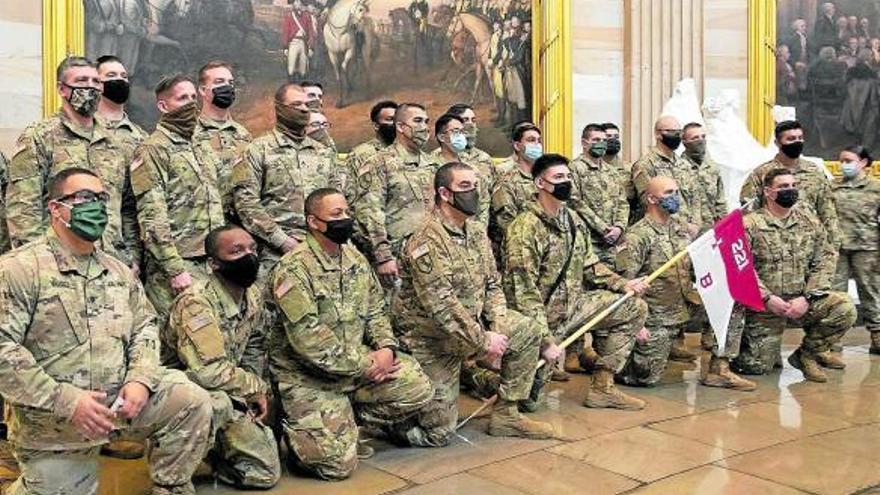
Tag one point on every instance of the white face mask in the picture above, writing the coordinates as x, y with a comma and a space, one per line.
849, 169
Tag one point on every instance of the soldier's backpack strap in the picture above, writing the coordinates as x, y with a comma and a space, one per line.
564, 271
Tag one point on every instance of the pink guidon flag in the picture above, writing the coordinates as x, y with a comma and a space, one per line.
725, 272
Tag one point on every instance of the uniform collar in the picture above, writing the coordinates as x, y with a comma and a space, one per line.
655, 150
124, 122
451, 228
284, 140
558, 223
91, 135
590, 162
173, 136
330, 263
851, 184
787, 222
209, 123
659, 227
88, 266
406, 156
228, 304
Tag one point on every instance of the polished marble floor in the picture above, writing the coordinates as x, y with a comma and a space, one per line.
788, 437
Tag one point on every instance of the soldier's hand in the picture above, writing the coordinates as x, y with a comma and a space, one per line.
135, 270
289, 245
91, 417
388, 272
612, 235
550, 353
693, 230
778, 306
260, 408
135, 395
180, 282
496, 345
643, 335
797, 307
638, 286
383, 364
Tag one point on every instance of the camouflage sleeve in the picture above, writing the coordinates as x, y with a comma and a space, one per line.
131, 232
827, 211
314, 342
822, 261
370, 210
22, 380
502, 211
523, 260
25, 211
348, 176
750, 190
201, 349
429, 267
4, 180
641, 174
631, 256
719, 206
148, 184
247, 186
621, 210
598, 275
378, 327
143, 348
495, 308
751, 229
592, 219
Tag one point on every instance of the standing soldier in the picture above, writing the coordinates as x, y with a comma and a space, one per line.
216, 336
478, 159
178, 198
451, 307
858, 205
795, 263
708, 179
315, 94
70, 138
397, 184
449, 131
298, 34
382, 117
275, 175
552, 275
319, 130
77, 334
515, 187
624, 168
813, 186
216, 129
335, 357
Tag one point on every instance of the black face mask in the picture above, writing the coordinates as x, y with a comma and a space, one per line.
671, 141
786, 198
117, 90
339, 231
224, 96
387, 133
240, 271
467, 202
792, 150
613, 147
561, 190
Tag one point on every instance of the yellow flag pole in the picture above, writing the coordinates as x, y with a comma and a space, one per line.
587, 327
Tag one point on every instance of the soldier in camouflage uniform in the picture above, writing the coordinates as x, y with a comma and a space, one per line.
71, 138
624, 168
178, 197
795, 262
451, 307
648, 245
661, 160
335, 358
4, 180
515, 187
708, 184
216, 130
77, 334
382, 117
551, 275
813, 186
481, 161
275, 175
450, 133
318, 129
858, 206
216, 335
397, 190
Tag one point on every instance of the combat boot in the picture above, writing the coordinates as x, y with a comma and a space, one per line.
589, 360
875, 343
123, 449
808, 366
572, 362
679, 353
719, 375
603, 393
830, 360
507, 421
705, 363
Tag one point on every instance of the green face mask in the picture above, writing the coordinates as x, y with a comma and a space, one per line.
88, 220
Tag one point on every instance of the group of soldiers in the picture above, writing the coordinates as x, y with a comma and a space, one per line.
212, 293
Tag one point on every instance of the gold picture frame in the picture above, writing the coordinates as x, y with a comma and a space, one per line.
64, 33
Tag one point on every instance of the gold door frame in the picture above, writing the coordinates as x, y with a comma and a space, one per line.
64, 33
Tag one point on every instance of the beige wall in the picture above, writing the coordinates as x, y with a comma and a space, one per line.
20, 68
726, 48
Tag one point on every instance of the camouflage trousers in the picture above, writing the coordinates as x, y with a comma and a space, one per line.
320, 423
709, 342
176, 421
647, 362
864, 267
824, 325
443, 365
157, 285
245, 453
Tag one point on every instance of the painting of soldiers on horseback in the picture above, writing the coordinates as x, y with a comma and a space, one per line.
438, 52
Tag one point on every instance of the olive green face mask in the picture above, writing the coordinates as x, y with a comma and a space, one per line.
87, 220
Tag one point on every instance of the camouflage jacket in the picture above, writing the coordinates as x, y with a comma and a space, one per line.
217, 341
271, 183
708, 184
535, 250
52, 145
398, 192
649, 244
68, 325
227, 139
357, 158
598, 196
624, 172
814, 192
482, 164
792, 255
653, 164
178, 201
858, 210
450, 286
332, 316
4, 180
513, 192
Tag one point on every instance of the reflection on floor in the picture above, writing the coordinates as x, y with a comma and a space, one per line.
788, 437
